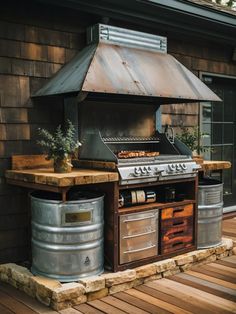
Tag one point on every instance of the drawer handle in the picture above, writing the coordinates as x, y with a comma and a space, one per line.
177, 210
178, 232
139, 234
178, 223
140, 250
177, 243
141, 218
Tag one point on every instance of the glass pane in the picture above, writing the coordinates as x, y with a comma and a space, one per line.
228, 133
216, 153
228, 153
227, 179
206, 112
206, 139
229, 105
217, 131
217, 107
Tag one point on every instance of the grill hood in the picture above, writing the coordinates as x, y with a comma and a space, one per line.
125, 62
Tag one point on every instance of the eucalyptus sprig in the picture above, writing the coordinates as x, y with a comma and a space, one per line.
59, 144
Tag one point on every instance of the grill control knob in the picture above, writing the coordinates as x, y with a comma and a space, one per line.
177, 167
183, 166
137, 171
143, 170
149, 169
171, 167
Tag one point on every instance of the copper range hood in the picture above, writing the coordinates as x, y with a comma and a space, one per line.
118, 61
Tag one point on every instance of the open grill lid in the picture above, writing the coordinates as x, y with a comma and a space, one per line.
125, 62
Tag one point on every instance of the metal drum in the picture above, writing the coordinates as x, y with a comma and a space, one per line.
67, 238
210, 209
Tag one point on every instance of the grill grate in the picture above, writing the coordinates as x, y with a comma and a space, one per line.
130, 140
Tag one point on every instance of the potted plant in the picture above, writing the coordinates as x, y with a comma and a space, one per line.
192, 139
59, 146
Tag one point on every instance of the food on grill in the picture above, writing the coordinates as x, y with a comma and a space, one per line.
134, 154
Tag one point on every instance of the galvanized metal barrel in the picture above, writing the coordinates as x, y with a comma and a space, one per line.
210, 209
67, 237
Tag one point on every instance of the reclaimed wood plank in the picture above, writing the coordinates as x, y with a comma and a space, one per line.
14, 305
215, 165
87, 309
20, 162
184, 306
213, 272
155, 301
48, 177
226, 263
197, 305
219, 281
70, 311
26, 300
131, 309
139, 303
226, 269
104, 307
206, 286
213, 302
4, 310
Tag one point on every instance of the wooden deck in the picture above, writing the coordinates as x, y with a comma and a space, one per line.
229, 229
204, 289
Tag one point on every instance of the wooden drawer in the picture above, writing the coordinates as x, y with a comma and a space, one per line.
177, 222
175, 212
176, 234
176, 243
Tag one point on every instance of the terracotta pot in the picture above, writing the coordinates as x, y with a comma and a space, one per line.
62, 165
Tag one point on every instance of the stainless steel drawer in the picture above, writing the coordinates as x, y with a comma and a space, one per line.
138, 236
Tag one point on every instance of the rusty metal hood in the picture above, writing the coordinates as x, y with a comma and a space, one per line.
128, 69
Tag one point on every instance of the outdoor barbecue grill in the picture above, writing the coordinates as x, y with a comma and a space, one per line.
112, 90
170, 163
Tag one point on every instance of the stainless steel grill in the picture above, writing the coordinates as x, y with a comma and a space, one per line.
170, 164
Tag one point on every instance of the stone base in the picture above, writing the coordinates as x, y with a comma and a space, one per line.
63, 295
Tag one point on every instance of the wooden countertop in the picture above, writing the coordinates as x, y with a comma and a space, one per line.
213, 165
48, 177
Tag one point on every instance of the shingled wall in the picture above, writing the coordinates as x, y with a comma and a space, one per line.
34, 43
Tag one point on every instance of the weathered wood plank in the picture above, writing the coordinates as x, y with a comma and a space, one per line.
155, 301
14, 91
215, 165
26, 300
14, 305
87, 309
104, 307
212, 302
210, 278
226, 263
14, 132
213, 272
124, 296
206, 286
13, 115
4, 310
184, 306
30, 162
48, 177
111, 300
